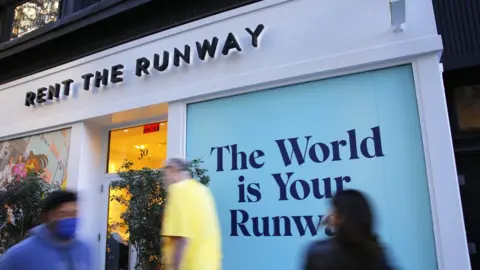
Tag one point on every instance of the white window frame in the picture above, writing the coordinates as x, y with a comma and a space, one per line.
103, 213
448, 224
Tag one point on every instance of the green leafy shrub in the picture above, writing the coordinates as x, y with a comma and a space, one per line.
20, 207
144, 208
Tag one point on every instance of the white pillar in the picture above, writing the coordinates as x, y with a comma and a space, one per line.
85, 175
177, 125
450, 237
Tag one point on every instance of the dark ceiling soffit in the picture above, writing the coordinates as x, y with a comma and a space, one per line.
461, 77
88, 11
455, 62
89, 15
4, 3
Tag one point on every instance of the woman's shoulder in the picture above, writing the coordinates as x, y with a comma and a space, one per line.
385, 259
321, 254
320, 247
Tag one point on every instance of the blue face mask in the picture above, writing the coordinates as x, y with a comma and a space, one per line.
65, 228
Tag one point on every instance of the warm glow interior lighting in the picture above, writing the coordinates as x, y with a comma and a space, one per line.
32, 15
127, 145
112, 167
115, 211
120, 148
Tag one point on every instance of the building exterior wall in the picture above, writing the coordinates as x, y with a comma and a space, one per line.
302, 40
284, 43
93, 28
457, 23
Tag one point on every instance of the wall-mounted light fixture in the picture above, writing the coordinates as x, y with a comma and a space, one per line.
397, 14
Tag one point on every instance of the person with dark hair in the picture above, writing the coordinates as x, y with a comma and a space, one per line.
51, 245
190, 229
355, 245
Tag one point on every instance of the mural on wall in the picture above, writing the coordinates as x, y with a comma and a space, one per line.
276, 157
46, 152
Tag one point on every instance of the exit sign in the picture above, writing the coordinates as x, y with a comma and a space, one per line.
151, 128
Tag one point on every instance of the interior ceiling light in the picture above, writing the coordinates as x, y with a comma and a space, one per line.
141, 146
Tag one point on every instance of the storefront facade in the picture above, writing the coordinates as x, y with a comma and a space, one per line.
283, 108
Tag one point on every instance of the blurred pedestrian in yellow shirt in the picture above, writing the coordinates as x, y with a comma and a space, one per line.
190, 229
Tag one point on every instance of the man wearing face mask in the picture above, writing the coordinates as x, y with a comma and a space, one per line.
52, 245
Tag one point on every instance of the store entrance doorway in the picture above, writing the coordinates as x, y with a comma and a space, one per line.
143, 146
131, 140
468, 169
119, 254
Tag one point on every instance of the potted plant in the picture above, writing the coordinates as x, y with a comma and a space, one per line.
20, 207
143, 199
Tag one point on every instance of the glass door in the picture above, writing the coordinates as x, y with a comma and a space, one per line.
117, 251
143, 146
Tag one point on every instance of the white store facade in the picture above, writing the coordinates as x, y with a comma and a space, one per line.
301, 97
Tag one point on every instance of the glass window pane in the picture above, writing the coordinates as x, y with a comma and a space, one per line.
33, 15
391, 115
117, 249
145, 146
467, 103
45, 153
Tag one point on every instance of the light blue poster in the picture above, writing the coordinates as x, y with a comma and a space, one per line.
276, 157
